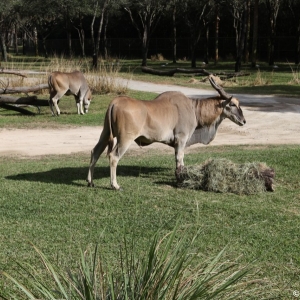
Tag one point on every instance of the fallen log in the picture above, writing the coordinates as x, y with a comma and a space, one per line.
196, 72
5, 71
25, 89
30, 100
173, 71
224, 76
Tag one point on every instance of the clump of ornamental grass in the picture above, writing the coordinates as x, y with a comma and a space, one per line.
258, 79
106, 79
295, 76
63, 64
169, 270
224, 176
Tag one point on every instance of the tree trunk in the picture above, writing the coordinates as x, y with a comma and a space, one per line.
217, 22
7, 40
273, 8
174, 34
255, 34
105, 38
241, 41
45, 48
99, 33
97, 42
69, 39
237, 35
106, 52
271, 49
95, 57
193, 56
145, 46
246, 58
16, 39
69, 35
81, 35
206, 54
3, 46
25, 43
35, 40
297, 54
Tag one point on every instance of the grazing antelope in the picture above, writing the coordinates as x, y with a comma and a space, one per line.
73, 83
171, 118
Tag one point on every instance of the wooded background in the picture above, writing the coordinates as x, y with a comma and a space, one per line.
242, 30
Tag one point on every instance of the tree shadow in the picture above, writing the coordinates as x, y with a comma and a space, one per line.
71, 176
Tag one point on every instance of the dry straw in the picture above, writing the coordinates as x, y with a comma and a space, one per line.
224, 176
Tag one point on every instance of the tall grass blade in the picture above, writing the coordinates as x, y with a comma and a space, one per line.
20, 286
52, 272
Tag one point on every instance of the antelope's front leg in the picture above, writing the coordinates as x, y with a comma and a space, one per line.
79, 103
51, 107
179, 155
54, 103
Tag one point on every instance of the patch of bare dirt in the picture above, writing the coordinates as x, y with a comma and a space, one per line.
270, 120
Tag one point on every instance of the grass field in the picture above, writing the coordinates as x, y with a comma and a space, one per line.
45, 200
69, 117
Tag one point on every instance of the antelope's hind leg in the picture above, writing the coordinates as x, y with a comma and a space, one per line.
114, 157
95, 154
54, 99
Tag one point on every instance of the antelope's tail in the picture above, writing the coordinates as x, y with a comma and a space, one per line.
110, 145
50, 82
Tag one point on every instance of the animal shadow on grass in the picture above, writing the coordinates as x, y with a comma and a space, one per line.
71, 176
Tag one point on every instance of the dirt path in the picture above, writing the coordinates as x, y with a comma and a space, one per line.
270, 120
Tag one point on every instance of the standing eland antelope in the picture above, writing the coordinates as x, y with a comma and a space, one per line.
73, 83
171, 118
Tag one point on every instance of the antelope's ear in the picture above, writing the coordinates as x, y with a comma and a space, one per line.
226, 102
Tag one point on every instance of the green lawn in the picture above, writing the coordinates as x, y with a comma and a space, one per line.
46, 201
69, 116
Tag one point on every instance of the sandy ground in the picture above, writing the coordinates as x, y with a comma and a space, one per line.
270, 120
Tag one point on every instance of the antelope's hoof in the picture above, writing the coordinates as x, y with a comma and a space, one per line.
91, 184
116, 188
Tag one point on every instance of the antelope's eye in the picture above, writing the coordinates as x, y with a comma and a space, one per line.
231, 104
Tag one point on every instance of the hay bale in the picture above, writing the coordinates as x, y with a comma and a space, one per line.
224, 176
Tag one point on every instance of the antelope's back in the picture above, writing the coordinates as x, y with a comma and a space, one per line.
74, 82
77, 82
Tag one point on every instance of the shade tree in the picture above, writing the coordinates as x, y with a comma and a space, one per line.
272, 7
8, 21
294, 14
145, 16
198, 13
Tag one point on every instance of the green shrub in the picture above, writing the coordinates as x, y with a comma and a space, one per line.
170, 270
